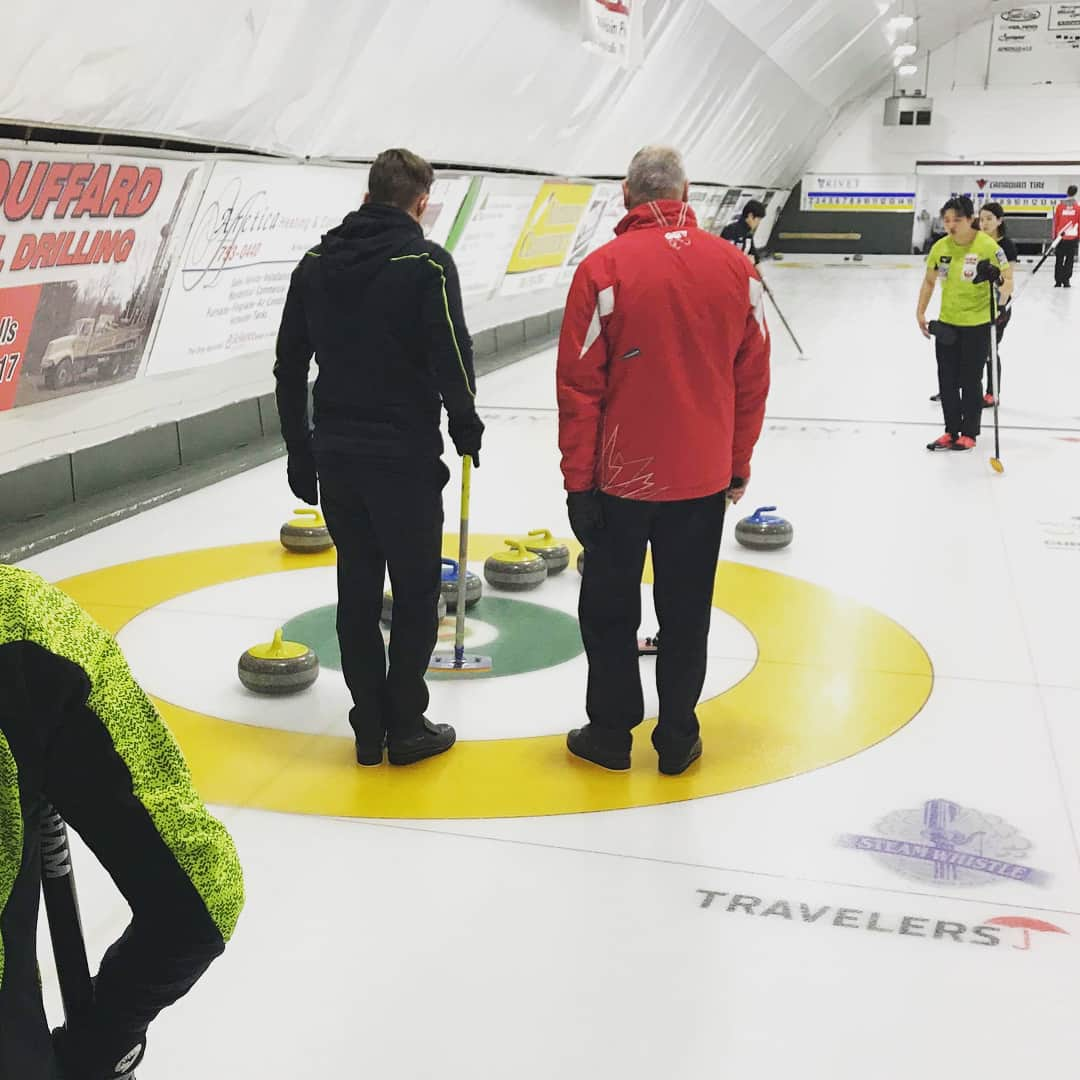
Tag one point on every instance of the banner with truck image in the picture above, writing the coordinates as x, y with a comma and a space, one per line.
86, 245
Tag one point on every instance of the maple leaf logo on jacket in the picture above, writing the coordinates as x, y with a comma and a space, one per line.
663, 364
638, 483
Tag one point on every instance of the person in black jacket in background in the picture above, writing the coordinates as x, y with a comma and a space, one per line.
992, 222
380, 307
740, 232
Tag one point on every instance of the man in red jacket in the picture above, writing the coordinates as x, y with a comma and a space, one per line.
1067, 232
663, 372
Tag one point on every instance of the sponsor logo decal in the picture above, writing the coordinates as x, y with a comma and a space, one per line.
948, 844
1013, 931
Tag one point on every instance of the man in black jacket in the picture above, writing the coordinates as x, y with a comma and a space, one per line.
380, 307
741, 231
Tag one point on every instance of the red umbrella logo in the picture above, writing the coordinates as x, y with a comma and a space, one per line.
1020, 922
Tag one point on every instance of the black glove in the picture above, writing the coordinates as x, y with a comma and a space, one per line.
303, 476
987, 271
86, 1055
586, 516
466, 432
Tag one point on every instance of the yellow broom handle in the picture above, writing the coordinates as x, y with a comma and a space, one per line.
463, 558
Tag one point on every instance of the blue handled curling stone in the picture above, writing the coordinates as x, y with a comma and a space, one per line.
474, 587
764, 531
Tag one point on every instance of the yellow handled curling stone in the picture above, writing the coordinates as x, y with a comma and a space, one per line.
556, 555
307, 533
279, 667
516, 570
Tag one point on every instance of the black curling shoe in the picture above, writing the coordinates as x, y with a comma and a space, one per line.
432, 739
672, 764
582, 743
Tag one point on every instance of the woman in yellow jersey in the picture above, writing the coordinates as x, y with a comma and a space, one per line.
963, 330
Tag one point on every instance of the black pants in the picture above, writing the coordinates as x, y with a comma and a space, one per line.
71, 762
385, 515
962, 353
685, 540
1064, 259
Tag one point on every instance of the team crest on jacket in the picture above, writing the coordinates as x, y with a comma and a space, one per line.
680, 238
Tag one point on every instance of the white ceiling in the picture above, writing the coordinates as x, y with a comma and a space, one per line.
837, 50
747, 88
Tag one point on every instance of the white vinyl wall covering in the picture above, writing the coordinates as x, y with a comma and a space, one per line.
744, 87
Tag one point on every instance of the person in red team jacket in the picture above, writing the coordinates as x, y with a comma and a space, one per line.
663, 372
1067, 229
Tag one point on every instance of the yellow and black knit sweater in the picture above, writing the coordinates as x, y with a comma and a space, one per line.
53, 656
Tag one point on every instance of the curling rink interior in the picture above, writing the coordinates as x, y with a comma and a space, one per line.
872, 872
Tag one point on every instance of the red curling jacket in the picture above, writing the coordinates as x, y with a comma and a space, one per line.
663, 365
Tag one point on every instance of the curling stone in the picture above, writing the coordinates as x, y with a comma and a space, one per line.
764, 531
279, 667
474, 587
387, 615
556, 555
581, 562
307, 533
516, 570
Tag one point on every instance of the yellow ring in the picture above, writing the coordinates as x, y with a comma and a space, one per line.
833, 678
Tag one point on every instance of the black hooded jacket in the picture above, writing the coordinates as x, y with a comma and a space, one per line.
380, 308
738, 232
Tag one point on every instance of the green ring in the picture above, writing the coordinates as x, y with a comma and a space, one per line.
531, 637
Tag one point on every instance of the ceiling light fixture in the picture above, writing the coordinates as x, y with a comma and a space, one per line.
902, 22
908, 69
905, 50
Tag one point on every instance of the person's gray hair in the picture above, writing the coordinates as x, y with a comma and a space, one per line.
657, 172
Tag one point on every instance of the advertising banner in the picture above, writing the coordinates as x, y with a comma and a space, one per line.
706, 203
547, 237
492, 232
253, 225
86, 245
1036, 44
607, 207
865, 193
726, 209
614, 28
447, 196
1032, 195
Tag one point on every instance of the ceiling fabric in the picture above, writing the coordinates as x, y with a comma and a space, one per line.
745, 88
